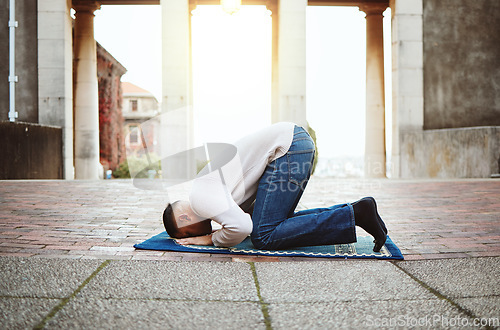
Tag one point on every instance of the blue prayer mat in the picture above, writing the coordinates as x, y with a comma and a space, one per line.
362, 249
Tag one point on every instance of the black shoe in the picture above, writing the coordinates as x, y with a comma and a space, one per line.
366, 217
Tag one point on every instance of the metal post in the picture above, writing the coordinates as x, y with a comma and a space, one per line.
12, 61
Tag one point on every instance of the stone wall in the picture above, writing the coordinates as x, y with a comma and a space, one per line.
30, 151
26, 61
458, 133
461, 63
451, 153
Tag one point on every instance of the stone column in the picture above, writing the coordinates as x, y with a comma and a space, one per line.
176, 118
407, 80
86, 93
375, 159
289, 61
55, 73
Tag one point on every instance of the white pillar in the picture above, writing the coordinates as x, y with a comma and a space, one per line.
86, 93
375, 159
176, 119
289, 62
407, 75
55, 73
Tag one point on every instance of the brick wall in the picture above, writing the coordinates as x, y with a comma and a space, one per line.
111, 137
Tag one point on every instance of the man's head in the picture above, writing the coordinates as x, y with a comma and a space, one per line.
181, 221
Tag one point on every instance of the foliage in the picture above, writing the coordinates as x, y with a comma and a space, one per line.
140, 166
312, 133
122, 171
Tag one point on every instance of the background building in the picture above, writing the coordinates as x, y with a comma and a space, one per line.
111, 136
140, 107
445, 66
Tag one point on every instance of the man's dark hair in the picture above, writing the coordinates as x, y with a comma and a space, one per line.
169, 221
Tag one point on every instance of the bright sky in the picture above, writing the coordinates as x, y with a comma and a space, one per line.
232, 69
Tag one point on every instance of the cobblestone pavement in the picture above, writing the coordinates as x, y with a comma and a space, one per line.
427, 219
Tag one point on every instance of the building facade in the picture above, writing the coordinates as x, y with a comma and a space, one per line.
449, 124
141, 125
111, 136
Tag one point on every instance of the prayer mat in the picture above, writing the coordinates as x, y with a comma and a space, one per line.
362, 249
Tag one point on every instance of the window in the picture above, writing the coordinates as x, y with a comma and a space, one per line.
134, 134
133, 105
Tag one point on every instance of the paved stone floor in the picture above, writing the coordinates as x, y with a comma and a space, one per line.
148, 294
67, 262
427, 219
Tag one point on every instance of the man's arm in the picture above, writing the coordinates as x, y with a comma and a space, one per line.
236, 226
198, 240
210, 199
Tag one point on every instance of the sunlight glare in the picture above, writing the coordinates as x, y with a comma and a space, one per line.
336, 75
231, 72
231, 6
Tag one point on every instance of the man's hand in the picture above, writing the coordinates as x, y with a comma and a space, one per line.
197, 240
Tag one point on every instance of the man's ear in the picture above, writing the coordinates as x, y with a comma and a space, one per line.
184, 219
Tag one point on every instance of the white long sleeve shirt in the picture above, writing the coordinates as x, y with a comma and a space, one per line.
226, 195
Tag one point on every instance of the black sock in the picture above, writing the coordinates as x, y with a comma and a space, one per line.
365, 216
378, 216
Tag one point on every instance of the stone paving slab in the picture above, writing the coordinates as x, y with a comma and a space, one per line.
43, 278
473, 284
226, 281
359, 314
94, 313
459, 278
310, 282
24, 313
193, 295
482, 307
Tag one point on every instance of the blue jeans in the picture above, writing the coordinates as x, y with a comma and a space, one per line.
276, 225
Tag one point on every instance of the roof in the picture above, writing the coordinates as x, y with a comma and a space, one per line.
101, 51
131, 89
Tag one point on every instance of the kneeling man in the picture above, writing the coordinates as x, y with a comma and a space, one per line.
256, 194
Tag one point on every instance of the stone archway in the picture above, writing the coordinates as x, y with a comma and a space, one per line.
288, 99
